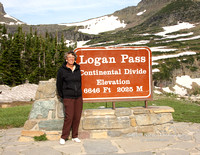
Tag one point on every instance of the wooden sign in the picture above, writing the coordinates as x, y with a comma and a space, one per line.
115, 73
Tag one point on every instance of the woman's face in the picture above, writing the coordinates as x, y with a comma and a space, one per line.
70, 59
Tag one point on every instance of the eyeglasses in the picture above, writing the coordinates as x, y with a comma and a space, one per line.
71, 57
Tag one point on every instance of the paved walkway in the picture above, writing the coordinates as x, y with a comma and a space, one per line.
185, 141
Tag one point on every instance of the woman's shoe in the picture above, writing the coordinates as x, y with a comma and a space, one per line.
62, 141
76, 140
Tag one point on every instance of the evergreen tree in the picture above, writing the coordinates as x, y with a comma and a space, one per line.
29, 56
34, 76
5, 73
16, 51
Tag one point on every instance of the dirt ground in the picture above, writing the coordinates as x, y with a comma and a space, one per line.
16, 103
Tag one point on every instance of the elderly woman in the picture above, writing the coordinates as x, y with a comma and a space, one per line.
69, 89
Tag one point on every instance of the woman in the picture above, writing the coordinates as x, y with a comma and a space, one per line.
69, 89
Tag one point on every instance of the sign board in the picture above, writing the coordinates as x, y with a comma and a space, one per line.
115, 73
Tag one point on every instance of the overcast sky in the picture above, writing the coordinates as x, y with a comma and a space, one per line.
62, 11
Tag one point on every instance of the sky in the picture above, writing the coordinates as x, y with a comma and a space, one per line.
36, 12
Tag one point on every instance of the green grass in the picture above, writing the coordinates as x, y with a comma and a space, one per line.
185, 111
14, 116
40, 138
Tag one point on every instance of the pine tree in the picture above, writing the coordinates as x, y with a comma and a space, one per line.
5, 73
29, 56
16, 65
34, 76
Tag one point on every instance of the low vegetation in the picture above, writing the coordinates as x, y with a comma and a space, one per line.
40, 138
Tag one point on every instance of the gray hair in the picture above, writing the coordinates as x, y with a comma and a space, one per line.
70, 52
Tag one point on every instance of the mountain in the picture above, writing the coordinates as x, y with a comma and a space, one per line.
6, 19
136, 15
172, 32
12, 24
170, 28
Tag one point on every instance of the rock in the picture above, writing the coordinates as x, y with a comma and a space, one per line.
122, 111
41, 109
46, 89
106, 122
197, 137
60, 109
51, 125
24, 92
98, 112
25, 139
5, 105
29, 133
100, 147
133, 122
84, 134
151, 119
29, 124
114, 133
99, 134
145, 129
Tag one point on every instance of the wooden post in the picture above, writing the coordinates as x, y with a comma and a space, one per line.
146, 104
113, 105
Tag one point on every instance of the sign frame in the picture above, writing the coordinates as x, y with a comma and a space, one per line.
114, 99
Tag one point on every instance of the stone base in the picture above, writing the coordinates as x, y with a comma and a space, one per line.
106, 123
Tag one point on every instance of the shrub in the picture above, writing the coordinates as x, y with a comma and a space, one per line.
40, 138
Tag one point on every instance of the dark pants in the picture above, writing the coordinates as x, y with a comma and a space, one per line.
73, 109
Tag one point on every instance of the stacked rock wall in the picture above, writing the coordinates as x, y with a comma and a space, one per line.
46, 117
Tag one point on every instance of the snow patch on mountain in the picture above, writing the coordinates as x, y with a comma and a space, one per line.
8, 16
178, 35
162, 49
98, 25
140, 13
182, 84
78, 43
155, 70
191, 38
187, 81
141, 42
173, 55
11, 23
174, 28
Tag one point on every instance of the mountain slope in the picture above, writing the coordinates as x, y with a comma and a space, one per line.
135, 15
171, 14
177, 11
6, 19
97, 25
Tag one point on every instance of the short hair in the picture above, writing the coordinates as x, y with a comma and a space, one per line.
70, 52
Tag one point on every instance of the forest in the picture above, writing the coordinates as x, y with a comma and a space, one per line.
29, 57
